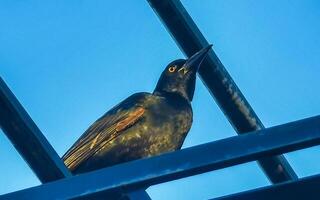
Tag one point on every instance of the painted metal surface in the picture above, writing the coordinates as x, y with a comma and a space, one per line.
28, 139
218, 81
115, 181
187, 162
302, 189
34, 147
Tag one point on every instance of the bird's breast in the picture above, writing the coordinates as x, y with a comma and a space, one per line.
166, 124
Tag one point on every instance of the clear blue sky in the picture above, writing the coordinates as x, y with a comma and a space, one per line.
68, 62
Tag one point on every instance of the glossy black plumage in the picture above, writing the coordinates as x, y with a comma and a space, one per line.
142, 125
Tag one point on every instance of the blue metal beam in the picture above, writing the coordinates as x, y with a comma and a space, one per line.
218, 81
32, 144
187, 162
302, 189
28, 139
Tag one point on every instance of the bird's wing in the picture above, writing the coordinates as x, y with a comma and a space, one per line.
105, 129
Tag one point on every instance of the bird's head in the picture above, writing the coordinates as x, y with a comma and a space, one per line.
179, 76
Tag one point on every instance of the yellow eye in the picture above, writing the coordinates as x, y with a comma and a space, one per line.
172, 69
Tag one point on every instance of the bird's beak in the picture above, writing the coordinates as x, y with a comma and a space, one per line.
193, 63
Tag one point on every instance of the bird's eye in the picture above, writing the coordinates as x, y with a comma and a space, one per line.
172, 69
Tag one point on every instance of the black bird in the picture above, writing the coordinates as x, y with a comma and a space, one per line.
142, 125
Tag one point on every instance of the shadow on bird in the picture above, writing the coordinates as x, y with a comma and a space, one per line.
142, 125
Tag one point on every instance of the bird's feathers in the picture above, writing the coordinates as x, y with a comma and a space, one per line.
130, 119
105, 129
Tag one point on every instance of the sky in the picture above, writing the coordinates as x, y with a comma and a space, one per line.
68, 62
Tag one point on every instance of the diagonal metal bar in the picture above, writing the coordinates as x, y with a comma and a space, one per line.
304, 188
32, 144
28, 139
218, 81
179, 164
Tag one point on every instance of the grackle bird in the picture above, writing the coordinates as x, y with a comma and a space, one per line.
142, 125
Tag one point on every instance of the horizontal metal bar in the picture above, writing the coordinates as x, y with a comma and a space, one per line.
302, 189
183, 163
28, 139
32, 144
218, 81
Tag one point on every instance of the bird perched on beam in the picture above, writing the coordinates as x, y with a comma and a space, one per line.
142, 125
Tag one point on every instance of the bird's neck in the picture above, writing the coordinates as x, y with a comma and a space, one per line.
173, 95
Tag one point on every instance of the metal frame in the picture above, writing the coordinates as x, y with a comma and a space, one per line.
305, 188
187, 162
261, 144
218, 81
34, 147
28, 139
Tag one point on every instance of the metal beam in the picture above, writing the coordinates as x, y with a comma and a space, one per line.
28, 139
304, 188
137, 195
218, 81
33, 146
187, 162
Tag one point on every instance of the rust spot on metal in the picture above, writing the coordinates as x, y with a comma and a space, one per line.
241, 105
279, 169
